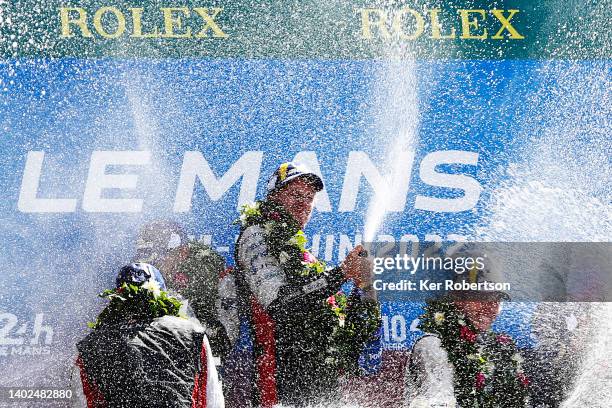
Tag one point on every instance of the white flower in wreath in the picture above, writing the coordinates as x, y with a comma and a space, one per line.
517, 358
152, 286
268, 227
439, 317
247, 210
253, 206
243, 219
461, 322
283, 257
330, 360
203, 253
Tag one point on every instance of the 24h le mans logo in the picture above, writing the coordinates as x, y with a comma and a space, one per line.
28, 338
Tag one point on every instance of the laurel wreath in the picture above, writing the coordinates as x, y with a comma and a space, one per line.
487, 366
129, 301
355, 321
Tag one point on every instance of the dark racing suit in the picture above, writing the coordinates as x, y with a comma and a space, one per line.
291, 324
164, 362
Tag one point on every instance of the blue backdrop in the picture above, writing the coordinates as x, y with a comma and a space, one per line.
55, 263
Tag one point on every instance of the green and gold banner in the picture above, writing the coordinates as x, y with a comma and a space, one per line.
519, 29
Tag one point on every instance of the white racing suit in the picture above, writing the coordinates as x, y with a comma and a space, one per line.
429, 376
266, 278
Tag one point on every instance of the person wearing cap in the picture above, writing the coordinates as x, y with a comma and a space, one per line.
191, 269
160, 241
460, 362
142, 353
304, 327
